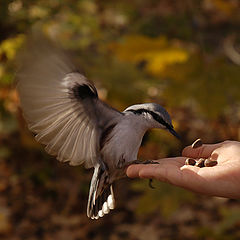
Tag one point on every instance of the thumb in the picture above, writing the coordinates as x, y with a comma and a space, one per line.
201, 152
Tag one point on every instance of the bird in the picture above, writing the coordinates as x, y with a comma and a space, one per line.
63, 110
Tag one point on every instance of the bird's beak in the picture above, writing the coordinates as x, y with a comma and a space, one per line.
174, 133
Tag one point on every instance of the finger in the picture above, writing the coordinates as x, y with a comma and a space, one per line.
169, 171
204, 151
165, 172
188, 177
134, 169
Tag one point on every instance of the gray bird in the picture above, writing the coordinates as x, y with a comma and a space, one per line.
63, 109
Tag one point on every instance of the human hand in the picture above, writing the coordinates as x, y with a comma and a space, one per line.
222, 180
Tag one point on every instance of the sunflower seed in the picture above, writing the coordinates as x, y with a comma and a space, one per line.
200, 162
197, 143
210, 163
190, 161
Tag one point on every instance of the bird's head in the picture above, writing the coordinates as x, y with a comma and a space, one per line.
155, 115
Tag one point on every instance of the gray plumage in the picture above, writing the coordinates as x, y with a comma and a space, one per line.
63, 109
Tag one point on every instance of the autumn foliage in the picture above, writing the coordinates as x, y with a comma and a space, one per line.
184, 55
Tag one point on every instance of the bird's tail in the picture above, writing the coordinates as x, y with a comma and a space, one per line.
101, 199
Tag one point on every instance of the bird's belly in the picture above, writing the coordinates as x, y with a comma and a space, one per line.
119, 153
122, 145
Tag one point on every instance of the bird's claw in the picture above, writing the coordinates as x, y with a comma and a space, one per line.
144, 162
150, 162
150, 184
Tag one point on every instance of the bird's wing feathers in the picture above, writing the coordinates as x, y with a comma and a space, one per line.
60, 105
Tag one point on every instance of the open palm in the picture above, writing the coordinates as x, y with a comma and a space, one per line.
221, 180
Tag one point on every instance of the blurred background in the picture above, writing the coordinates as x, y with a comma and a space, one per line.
184, 55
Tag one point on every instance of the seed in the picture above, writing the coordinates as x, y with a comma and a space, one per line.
190, 161
200, 162
210, 163
197, 143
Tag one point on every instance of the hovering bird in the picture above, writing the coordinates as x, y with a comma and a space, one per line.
61, 106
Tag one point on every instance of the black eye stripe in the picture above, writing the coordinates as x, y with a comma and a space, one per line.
155, 116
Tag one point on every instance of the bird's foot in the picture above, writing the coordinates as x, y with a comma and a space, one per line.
150, 184
143, 162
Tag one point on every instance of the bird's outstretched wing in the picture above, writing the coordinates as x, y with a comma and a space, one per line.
60, 105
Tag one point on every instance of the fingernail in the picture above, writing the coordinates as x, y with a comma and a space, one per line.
190, 161
197, 143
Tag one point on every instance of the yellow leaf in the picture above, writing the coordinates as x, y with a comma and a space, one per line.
161, 59
135, 47
11, 45
157, 53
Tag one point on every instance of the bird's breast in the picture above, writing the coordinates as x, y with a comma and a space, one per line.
122, 143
